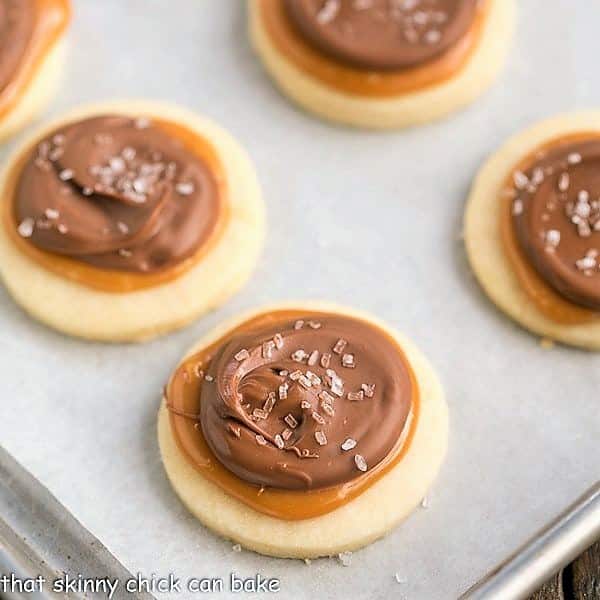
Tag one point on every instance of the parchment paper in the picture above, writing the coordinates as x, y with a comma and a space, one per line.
368, 219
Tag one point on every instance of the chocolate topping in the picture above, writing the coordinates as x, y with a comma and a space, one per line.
556, 215
17, 23
306, 404
117, 193
382, 34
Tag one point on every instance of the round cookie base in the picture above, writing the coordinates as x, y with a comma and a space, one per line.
414, 108
359, 522
482, 232
82, 311
39, 92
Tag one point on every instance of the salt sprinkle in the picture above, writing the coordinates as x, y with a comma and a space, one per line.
267, 349
184, 189
260, 440
348, 444
318, 418
26, 227
356, 396
321, 438
553, 238
236, 548
142, 123
243, 354
283, 391
291, 420
329, 12
299, 324
360, 462
521, 180
368, 389
279, 442
51, 213
299, 355
339, 346
563, 182
574, 158
122, 227
66, 174
348, 361
517, 207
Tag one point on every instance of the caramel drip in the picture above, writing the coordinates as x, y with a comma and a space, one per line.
51, 19
108, 280
183, 400
548, 301
348, 79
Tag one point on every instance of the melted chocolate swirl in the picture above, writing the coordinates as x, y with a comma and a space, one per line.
117, 193
556, 215
382, 34
306, 404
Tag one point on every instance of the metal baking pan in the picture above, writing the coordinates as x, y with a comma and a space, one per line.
361, 218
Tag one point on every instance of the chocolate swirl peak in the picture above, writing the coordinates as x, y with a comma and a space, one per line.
17, 23
118, 193
382, 34
556, 216
306, 404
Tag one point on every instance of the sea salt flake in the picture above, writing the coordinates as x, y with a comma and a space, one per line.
348, 444
348, 361
360, 462
243, 354
184, 188
291, 420
321, 438
553, 238
520, 179
26, 227
339, 346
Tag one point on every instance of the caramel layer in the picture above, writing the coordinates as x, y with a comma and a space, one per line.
351, 80
114, 281
52, 18
183, 400
549, 301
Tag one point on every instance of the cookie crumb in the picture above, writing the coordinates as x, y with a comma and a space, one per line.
345, 558
547, 343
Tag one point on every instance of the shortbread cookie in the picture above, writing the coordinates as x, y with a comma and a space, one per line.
32, 36
380, 64
303, 430
125, 221
532, 229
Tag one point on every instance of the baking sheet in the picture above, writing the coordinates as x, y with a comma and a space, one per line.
368, 219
